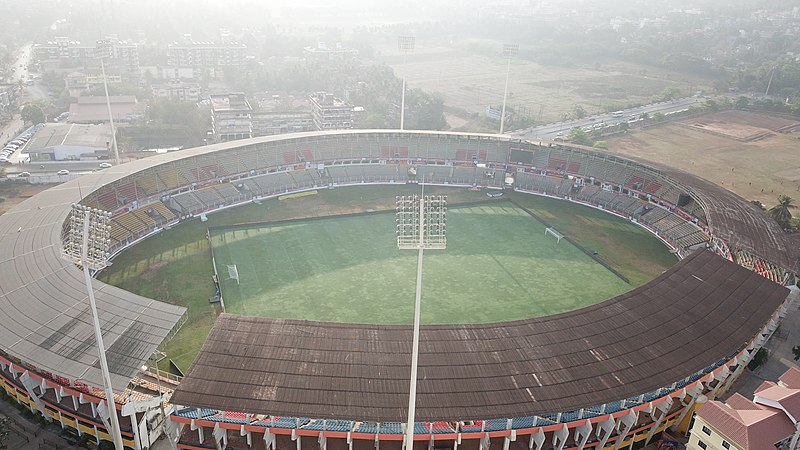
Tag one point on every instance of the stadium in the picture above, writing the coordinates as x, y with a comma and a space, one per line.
610, 375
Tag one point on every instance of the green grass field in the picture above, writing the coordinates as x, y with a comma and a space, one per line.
498, 266
175, 265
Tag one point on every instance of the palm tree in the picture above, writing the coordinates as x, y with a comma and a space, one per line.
781, 212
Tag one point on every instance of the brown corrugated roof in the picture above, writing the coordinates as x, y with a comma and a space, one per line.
703, 309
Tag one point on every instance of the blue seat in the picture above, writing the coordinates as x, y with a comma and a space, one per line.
390, 428
522, 422
367, 427
496, 424
570, 416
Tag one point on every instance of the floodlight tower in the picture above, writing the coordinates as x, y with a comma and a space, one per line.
406, 46
509, 51
421, 224
88, 246
105, 52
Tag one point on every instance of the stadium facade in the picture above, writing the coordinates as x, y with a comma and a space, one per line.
605, 376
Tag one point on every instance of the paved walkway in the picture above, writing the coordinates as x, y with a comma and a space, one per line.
781, 357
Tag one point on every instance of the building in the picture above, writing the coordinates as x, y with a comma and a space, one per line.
771, 420
231, 117
280, 114
79, 83
331, 113
190, 53
324, 53
177, 90
93, 109
62, 52
69, 142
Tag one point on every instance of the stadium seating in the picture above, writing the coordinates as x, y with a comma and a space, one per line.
195, 413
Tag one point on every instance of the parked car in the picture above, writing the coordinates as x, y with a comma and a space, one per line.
105, 165
63, 172
24, 174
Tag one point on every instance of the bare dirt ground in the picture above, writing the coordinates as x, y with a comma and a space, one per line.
742, 125
469, 82
757, 170
12, 194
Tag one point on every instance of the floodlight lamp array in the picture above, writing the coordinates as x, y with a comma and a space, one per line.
98, 237
421, 221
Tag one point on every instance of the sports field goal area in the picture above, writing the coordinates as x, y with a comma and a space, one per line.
499, 265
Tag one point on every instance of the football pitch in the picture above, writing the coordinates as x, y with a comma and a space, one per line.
499, 265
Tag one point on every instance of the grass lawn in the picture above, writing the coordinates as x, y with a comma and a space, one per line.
175, 265
498, 266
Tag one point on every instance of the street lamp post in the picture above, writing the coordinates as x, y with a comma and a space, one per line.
509, 51
406, 46
88, 246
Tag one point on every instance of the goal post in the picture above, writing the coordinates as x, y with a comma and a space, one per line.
233, 273
553, 232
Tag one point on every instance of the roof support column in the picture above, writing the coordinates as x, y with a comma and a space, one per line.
269, 439
297, 438
741, 361
243, 432
560, 437
582, 433
721, 377
323, 441
200, 434
484, 442
625, 425
30, 384
220, 436
663, 408
694, 391
537, 439
604, 430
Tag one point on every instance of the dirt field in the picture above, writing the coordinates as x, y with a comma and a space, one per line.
12, 194
469, 82
760, 169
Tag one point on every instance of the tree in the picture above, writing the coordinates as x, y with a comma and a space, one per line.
32, 113
741, 102
761, 356
659, 116
578, 136
579, 112
782, 211
670, 93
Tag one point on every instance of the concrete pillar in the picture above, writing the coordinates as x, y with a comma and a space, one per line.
560, 437
625, 424
537, 440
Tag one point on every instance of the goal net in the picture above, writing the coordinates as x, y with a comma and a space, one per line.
553, 232
233, 273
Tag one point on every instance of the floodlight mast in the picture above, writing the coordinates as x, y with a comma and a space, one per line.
416, 217
509, 50
406, 46
93, 226
110, 115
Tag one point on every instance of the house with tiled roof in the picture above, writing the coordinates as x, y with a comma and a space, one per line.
770, 421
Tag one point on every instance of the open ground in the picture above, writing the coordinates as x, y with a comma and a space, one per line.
175, 265
468, 82
760, 169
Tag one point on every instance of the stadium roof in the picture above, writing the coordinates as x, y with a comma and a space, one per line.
699, 311
43, 303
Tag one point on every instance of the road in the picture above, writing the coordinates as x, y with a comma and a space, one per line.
551, 131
